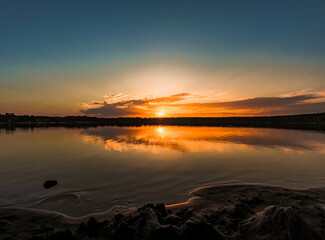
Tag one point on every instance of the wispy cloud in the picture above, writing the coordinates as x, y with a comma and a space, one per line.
186, 104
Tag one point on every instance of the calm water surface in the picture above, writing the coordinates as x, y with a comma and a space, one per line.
98, 168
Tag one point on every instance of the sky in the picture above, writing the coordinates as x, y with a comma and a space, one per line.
162, 58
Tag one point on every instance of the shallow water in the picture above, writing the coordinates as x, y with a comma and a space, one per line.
98, 168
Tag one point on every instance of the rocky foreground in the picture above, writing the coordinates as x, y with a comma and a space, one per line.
218, 212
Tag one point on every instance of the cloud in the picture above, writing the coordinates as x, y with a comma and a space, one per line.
115, 97
184, 104
256, 103
132, 107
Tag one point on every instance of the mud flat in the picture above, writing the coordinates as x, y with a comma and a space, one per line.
214, 212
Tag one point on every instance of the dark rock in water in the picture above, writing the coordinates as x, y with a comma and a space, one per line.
50, 183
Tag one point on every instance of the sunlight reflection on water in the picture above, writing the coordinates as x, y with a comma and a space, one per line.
107, 166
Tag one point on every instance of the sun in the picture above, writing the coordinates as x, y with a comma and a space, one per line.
160, 114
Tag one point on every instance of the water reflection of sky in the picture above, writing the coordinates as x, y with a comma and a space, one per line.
201, 139
97, 168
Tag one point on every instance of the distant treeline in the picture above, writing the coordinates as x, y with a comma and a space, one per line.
304, 121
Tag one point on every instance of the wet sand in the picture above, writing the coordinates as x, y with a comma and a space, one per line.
215, 212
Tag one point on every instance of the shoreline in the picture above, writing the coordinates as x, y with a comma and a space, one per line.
234, 211
312, 121
315, 127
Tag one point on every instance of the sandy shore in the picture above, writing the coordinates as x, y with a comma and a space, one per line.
215, 212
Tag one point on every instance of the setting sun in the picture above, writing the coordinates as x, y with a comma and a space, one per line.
160, 114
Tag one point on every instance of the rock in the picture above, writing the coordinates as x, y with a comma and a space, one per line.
50, 183
274, 222
158, 207
254, 213
164, 233
172, 219
67, 235
161, 209
197, 229
92, 227
60, 235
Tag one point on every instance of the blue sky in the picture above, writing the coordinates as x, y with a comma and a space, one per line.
75, 37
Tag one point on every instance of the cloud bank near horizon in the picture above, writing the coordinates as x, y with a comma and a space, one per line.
190, 105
